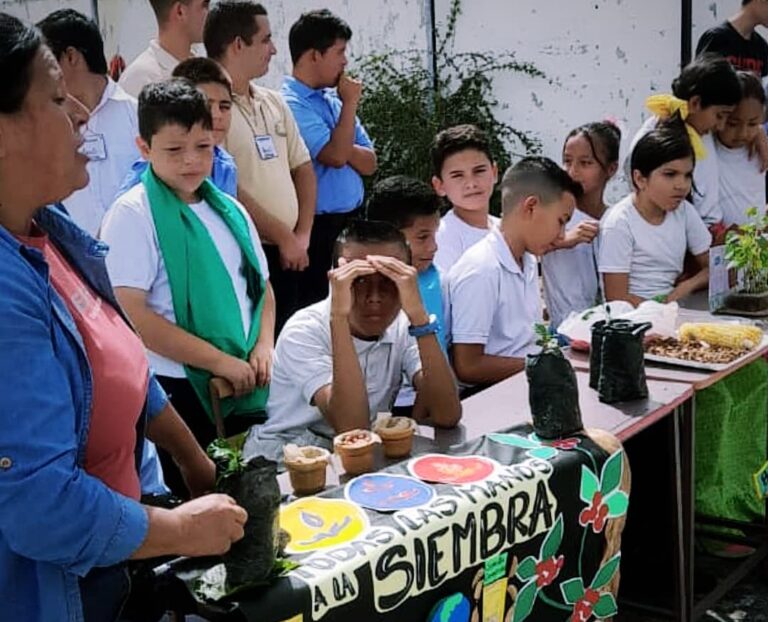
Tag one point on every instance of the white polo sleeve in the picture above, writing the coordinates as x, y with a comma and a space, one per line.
133, 259
615, 246
305, 357
697, 235
473, 293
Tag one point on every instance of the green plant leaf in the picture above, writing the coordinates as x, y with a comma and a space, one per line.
589, 484
617, 503
606, 572
610, 477
572, 590
525, 600
605, 607
553, 540
527, 568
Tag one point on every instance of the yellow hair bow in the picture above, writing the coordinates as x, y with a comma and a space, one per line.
664, 106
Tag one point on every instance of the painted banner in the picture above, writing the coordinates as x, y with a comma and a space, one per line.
506, 528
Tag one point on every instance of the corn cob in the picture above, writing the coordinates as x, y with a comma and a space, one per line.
728, 335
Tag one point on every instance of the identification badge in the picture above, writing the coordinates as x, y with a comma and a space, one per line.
94, 147
266, 147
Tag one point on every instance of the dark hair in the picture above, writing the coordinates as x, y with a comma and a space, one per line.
19, 43
668, 141
201, 70
369, 232
162, 8
316, 30
751, 87
712, 78
66, 28
538, 176
604, 140
172, 102
400, 199
455, 139
227, 20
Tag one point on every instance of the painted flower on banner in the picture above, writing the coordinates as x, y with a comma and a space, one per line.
591, 601
539, 572
536, 448
603, 496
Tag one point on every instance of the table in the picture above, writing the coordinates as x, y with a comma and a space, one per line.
697, 380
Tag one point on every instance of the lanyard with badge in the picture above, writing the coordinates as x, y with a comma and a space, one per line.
94, 146
265, 144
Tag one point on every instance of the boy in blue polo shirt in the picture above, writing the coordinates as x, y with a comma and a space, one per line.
324, 102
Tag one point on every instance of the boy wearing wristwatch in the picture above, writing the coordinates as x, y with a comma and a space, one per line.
341, 361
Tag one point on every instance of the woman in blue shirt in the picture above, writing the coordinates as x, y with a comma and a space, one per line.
64, 534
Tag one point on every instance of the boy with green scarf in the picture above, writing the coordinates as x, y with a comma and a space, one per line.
189, 270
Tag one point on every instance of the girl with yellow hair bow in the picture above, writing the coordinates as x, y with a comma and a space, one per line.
703, 95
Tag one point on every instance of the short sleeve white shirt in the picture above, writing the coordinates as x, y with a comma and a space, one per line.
153, 65
303, 364
742, 185
570, 276
652, 255
135, 260
706, 177
454, 236
111, 142
494, 301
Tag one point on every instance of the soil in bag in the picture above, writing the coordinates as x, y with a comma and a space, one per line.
553, 394
255, 488
622, 362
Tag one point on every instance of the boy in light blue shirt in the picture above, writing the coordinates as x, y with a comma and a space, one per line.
324, 102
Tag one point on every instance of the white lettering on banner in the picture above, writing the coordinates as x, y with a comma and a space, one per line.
432, 544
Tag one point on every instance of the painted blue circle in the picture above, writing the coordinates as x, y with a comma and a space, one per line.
455, 608
386, 492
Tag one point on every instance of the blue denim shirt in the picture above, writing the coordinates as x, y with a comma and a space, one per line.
317, 112
223, 173
56, 521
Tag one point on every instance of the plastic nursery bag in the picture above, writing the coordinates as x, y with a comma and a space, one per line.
255, 488
663, 317
553, 393
621, 365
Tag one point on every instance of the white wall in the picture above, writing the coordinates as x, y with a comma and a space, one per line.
35, 10
606, 56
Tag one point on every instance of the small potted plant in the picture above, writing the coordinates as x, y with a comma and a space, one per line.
253, 485
553, 393
746, 250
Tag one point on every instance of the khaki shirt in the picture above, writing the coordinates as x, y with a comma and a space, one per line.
268, 181
154, 64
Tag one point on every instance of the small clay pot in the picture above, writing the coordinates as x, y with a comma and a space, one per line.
355, 448
306, 468
397, 435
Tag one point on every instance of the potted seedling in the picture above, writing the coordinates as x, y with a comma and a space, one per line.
746, 250
253, 485
553, 394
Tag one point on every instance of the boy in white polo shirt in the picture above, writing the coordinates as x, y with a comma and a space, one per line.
341, 361
465, 174
494, 287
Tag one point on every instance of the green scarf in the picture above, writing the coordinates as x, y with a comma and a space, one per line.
203, 295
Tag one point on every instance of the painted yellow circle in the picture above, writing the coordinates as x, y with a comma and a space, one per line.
315, 523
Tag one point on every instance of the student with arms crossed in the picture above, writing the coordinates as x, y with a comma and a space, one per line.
341, 361
494, 287
464, 173
571, 282
742, 183
276, 179
644, 238
212, 79
188, 268
324, 101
